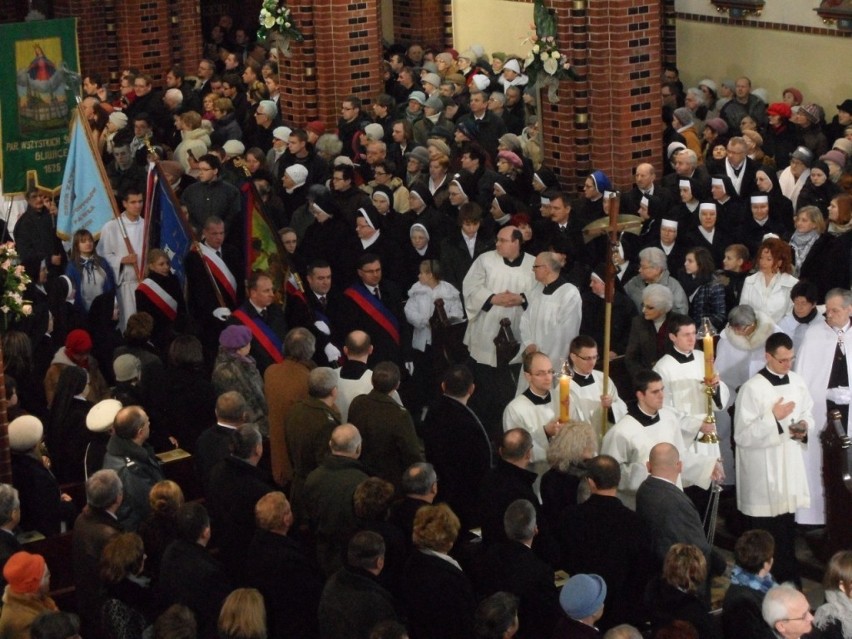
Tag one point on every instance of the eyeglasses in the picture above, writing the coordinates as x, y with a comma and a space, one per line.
804, 617
785, 360
589, 358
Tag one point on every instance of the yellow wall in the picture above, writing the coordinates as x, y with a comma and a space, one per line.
495, 24
773, 60
387, 20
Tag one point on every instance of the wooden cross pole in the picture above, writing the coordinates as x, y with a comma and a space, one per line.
612, 229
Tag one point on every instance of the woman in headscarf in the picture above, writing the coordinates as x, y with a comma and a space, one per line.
418, 248
392, 222
295, 189
819, 189
780, 206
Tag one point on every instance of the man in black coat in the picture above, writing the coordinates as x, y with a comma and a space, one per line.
456, 254
603, 536
489, 127
657, 200
189, 575
214, 444
420, 486
324, 305
264, 318
374, 305
668, 514
457, 445
750, 579
94, 527
509, 480
234, 487
353, 601
513, 567
286, 575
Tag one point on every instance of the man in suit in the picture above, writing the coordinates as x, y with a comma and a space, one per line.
325, 304
213, 444
264, 318
741, 169
374, 306
604, 536
488, 125
94, 527
391, 445
511, 566
646, 199
458, 445
215, 276
234, 487
667, 513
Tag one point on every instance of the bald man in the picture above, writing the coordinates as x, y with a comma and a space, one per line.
646, 199
328, 495
667, 512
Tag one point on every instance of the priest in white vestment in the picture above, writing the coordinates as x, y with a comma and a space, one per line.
126, 264
588, 401
824, 363
552, 318
683, 372
774, 424
536, 410
647, 423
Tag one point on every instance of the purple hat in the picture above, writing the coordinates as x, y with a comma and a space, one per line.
235, 337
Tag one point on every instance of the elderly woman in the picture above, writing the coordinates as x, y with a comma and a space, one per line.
833, 619
687, 209
796, 323
684, 122
706, 294
649, 332
562, 485
755, 227
440, 584
715, 131
676, 596
235, 370
653, 270
779, 137
25, 598
768, 290
708, 235
795, 176
424, 212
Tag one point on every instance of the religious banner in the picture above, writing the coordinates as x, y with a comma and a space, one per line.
38, 82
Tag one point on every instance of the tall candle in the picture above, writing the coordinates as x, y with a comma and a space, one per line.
564, 396
708, 358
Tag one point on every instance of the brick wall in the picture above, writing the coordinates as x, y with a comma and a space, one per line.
150, 35
609, 119
419, 20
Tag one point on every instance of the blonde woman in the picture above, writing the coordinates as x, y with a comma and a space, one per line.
243, 615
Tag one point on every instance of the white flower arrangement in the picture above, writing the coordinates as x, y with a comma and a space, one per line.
276, 17
545, 62
14, 280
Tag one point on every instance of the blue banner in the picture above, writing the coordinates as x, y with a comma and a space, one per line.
85, 201
169, 229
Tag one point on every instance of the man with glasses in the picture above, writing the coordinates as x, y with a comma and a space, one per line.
536, 409
824, 364
773, 421
587, 393
787, 612
351, 121
212, 196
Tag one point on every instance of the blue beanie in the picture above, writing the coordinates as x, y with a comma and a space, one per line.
582, 595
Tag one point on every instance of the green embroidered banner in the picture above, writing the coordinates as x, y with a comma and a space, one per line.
38, 83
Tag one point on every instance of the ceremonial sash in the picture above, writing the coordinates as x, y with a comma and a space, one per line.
292, 288
261, 332
220, 271
374, 307
158, 296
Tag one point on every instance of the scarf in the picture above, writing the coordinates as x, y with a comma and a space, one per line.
691, 283
742, 577
807, 318
801, 244
839, 229
838, 607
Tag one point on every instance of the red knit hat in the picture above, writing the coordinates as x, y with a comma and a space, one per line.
317, 127
78, 343
24, 572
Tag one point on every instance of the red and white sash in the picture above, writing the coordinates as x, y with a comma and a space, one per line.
220, 271
159, 297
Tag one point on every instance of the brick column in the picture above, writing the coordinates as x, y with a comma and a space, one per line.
419, 20
609, 119
339, 57
150, 35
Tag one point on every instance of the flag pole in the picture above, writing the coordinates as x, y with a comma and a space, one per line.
102, 172
609, 295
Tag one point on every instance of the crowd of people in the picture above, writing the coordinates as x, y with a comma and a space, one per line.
349, 431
